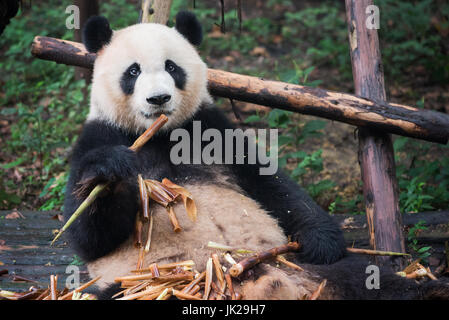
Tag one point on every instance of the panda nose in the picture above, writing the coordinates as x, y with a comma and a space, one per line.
160, 99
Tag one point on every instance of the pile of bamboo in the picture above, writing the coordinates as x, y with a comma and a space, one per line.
183, 281
51, 293
179, 279
415, 270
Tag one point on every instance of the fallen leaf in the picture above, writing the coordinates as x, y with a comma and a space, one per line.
14, 215
259, 51
58, 217
3, 247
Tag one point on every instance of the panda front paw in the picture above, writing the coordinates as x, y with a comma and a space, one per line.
107, 164
320, 246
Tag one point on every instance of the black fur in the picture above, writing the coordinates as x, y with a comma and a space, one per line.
128, 79
96, 33
178, 74
188, 25
100, 155
347, 279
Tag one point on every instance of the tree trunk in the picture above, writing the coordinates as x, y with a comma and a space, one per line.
376, 155
87, 8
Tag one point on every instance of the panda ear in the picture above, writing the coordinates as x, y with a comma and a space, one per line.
96, 33
188, 25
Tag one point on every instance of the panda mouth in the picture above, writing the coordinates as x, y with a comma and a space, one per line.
156, 114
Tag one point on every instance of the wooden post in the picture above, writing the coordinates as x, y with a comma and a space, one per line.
156, 11
376, 155
87, 8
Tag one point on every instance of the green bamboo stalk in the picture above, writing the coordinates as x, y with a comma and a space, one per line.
87, 202
376, 252
139, 143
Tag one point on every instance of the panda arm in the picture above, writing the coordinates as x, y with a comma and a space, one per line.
299, 216
101, 156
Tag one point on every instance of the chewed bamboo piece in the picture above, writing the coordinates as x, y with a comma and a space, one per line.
53, 286
315, 295
209, 275
173, 219
292, 265
251, 261
50, 293
416, 270
139, 143
144, 200
186, 197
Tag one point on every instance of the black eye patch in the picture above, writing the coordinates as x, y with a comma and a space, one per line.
129, 77
178, 74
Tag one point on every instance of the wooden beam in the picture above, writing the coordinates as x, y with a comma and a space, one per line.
376, 155
389, 117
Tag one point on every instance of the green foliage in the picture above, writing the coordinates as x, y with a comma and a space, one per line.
422, 252
47, 103
423, 183
350, 206
77, 261
409, 37
293, 136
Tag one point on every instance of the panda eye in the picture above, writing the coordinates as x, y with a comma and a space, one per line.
169, 67
134, 71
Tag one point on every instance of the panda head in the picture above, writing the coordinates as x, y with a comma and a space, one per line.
145, 70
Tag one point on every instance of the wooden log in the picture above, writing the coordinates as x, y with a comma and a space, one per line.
388, 117
376, 154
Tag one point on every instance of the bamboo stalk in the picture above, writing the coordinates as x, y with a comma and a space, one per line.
139, 143
150, 233
376, 252
182, 295
218, 269
83, 206
140, 259
170, 277
195, 282
318, 291
219, 246
208, 279
79, 289
149, 133
163, 294
284, 261
230, 286
155, 270
173, 219
186, 263
194, 290
249, 262
145, 207
43, 294
138, 232
53, 286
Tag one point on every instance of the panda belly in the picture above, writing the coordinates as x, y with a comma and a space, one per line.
225, 216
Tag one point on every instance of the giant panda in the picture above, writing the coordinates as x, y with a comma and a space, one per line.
146, 70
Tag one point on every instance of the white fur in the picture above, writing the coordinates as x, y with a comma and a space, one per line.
150, 45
